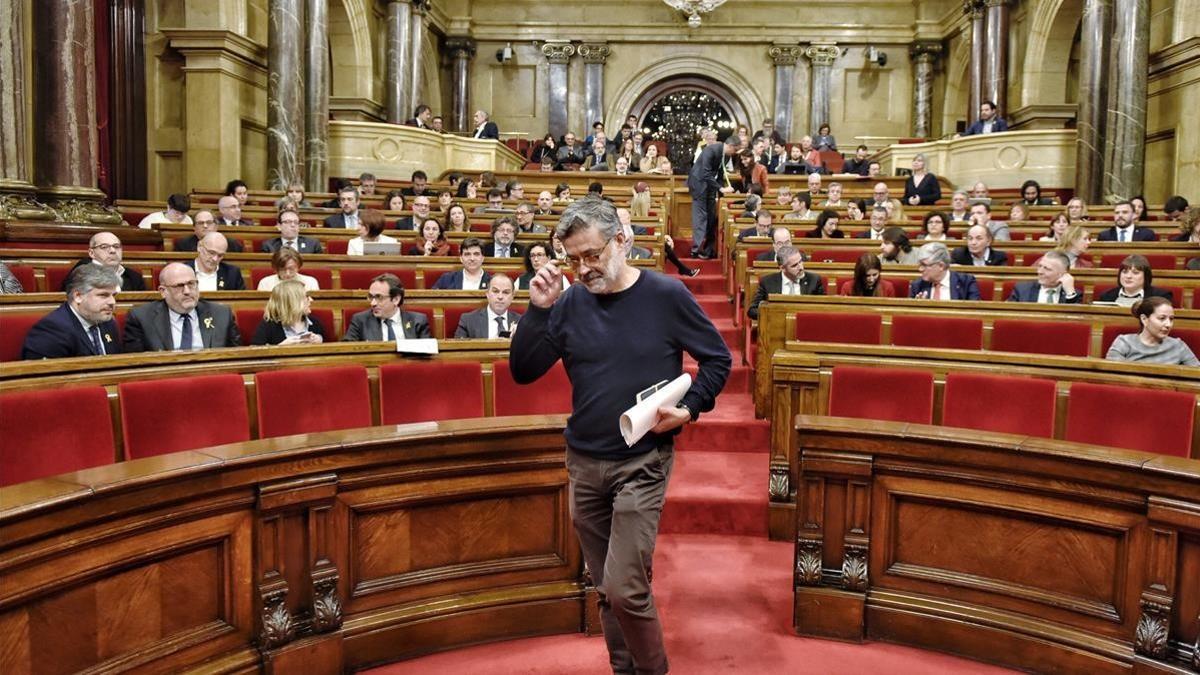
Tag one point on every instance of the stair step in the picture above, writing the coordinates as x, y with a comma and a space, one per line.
730, 427
715, 306
708, 284
717, 493
741, 378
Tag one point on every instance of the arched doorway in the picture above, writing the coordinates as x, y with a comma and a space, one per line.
674, 111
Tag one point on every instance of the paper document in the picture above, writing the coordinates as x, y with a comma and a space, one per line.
417, 346
639, 419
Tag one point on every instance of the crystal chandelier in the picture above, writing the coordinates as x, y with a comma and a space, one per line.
694, 8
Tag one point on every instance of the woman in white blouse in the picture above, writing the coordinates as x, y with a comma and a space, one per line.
370, 228
287, 263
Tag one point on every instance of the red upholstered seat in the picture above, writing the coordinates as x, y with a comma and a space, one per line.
1191, 336
987, 288
453, 315
360, 277
892, 394
1158, 261
337, 246
1013, 405
937, 332
901, 286
25, 275
550, 394
156, 414
432, 274
858, 329
308, 400
247, 322
1151, 420
325, 317
423, 391
1041, 337
13, 328
56, 276
40, 440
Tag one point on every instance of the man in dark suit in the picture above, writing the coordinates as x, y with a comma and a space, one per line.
1054, 284
104, 249
348, 201
1125, 227
472, 276
83, 325
213, 273
420, 213
386, 320
989, 121
859, 163
495, 320
421, 117
780, 238
791, 279
485, 128
181, 321
761, 227
503, 243
231, 213
879, 221
978, 251
288, 224
420, 180
705, 182
937, 282
202, 224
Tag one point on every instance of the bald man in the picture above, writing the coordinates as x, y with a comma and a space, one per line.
180, 321
231, 212
212, 272
105, 250
204, 223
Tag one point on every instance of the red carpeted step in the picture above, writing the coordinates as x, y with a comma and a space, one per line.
731, 427
705, 284
716, 306
741, 377
717, 493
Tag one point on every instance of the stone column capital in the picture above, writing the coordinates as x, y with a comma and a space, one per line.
996, 3
594, 52
823, 54
460, 47
420, 6
784, 55
925, 50
973, 8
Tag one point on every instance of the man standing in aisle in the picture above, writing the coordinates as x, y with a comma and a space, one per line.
705, 182
617, 491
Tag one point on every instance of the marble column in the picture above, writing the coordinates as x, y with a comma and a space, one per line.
398, 78
1125, 141
974, 10
923, 54
462, 50
995, 71
316, 95
822, 56
285, 93
16, 192
784, 57
65, 136
1094, 51
559, 56
417, 46
594, 57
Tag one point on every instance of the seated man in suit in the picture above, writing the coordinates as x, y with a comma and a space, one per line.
495, 320
545, 204
181, 321
525, 222
503, 243
83, 325
879, 221
959, 211
937, 281
288, 224
981, 214
104, 249
231, 213
791, 279
858, 163
420, 213
386, 320
420, 181
366, 184
202, 225
1054, 283
472, 276
213, 273
495, 202
978, 251
1124, 226
989, 121
883, 199
761, 228
780, 238
485, 128
347, 197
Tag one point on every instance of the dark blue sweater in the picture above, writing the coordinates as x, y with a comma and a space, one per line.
614, 346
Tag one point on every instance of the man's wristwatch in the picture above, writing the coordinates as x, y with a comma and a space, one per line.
691, 413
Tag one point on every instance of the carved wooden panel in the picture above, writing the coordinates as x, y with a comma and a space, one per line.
1185, 624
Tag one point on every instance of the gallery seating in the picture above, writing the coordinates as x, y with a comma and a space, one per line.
40, 440
183, 413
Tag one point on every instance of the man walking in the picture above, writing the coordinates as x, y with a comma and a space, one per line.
705, 182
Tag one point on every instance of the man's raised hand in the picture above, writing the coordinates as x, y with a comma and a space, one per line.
546, 286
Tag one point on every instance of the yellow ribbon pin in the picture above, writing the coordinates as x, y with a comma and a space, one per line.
208, 322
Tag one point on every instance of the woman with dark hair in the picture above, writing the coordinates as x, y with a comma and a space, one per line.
370, 229
536, 255
1058, 227
868, 281
445, 198
433, 240
894, 247
394, 201
752, 172
1031, 194
237, 188
1134, 279
467, 189
1139, 207
287, 319
856, 209
936, 227
562, 194
548, 148
456, 218
824, 139
1153, 343
827, 227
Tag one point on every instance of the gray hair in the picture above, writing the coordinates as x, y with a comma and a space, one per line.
752, 202
733, 141
585, 213
1060, 257
932, 253
961, 193
88, 276
786, 252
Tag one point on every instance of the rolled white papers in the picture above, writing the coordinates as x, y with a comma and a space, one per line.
639, 419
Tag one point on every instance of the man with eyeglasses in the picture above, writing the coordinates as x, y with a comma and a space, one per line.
420, 213
212, 272
181, 321
231, 212
83, 325
385, 320
618, 331
288, 224
525, 224
104, 250
202, 224
504, 236
347, 198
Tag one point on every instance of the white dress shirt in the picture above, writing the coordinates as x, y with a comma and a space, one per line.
207, 281
493, 329
177, 329
470, 283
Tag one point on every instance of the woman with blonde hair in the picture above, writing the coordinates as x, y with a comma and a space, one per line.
1073, 244
287, 320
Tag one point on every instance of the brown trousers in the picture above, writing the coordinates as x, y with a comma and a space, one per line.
615, 506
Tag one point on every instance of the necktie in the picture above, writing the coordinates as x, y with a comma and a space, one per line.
937, 291
1051, 296
1120, 235
391, 330
185, 338
500, 326
94, 332
290, 244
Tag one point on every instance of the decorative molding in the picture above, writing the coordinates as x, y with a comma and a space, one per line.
72, 210
23, 207
277, 625
594, 52
778, 488
558, 52
460, 47
1153, 629
808, 562
823, 54
974, 9
928, 51
996, 3
854, 568
327, 604
784, 55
